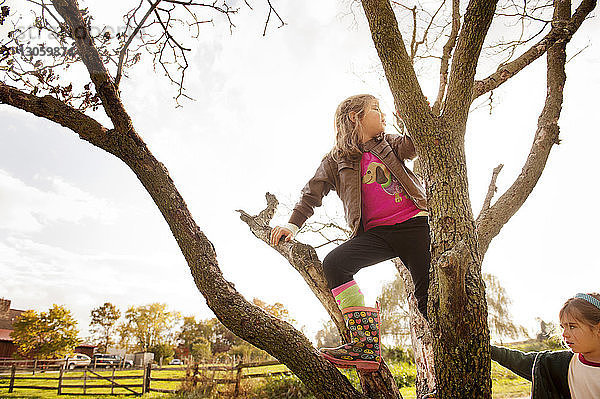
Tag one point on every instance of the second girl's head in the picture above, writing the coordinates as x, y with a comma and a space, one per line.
580, 321
357, 119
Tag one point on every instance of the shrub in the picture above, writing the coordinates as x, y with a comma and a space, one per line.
397, 354
553, 343
282, 387
404, 373
196, 385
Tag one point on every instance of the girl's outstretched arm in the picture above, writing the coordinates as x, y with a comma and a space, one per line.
313, 192
516, 361
312, 195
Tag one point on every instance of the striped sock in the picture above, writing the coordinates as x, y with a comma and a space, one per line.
348, 295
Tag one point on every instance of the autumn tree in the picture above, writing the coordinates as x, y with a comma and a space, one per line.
51, 334
194, 338
328, 336
499, 318
395, 312
457, 301
150, 326
277, 309
204, 339
103, 324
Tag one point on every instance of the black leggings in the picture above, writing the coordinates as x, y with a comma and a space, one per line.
408, 240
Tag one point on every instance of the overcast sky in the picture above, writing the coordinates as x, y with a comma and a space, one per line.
77, 228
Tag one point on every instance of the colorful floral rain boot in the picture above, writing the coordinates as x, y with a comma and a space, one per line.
363, 351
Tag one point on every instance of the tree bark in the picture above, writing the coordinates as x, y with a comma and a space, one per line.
457, 292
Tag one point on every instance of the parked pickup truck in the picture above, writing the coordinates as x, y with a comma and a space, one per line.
105, 360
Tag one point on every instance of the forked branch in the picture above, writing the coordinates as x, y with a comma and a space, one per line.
491, 221
491, 190
137, 29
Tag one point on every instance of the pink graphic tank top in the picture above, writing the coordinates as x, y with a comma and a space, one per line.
384, 201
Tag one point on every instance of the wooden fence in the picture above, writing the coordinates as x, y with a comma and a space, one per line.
137, 384
31, 365
41, 365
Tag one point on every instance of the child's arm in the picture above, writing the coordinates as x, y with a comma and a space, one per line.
516, 361
312, 196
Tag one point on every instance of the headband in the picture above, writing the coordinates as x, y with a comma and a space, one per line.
589, 298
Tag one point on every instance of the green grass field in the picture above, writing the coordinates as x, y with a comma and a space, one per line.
505, 383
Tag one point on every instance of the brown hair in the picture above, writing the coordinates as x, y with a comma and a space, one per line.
347, 132
582, 310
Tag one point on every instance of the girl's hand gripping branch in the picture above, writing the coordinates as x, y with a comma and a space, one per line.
287, 232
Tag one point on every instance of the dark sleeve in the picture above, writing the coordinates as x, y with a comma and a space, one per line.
516, 361
313, 192
403, 146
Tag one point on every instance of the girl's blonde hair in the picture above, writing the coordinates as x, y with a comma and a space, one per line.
582, 310
347, 132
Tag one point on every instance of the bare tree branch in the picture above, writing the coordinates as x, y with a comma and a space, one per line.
477, 20
50, 108
301, 256
105, 87
414, 11
123, 51
271, 9
426, 32
491, 189
446, 53
322, 228
172, 43
493, 219
45, 9
558, 33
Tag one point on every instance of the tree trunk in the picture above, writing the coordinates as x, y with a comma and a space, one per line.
457, 292
457, 305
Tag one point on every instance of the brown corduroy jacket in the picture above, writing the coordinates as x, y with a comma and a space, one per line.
343, 176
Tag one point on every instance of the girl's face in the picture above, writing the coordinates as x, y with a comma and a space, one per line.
373, 121
581, 338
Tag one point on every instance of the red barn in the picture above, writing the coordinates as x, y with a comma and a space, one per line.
7, 318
